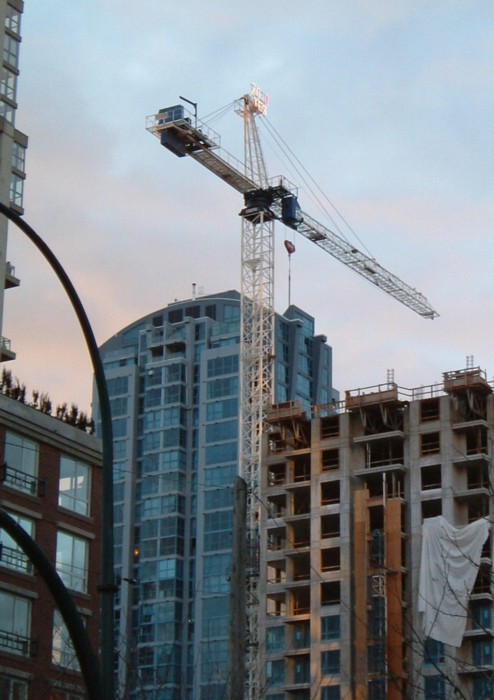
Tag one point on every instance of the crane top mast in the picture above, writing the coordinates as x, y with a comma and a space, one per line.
249, 106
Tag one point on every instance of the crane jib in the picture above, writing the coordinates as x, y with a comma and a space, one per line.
183, 134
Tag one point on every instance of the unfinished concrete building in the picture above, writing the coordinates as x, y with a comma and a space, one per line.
345, 494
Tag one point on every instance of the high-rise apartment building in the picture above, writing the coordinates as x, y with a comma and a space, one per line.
13, 144
174, 385
345, 497
50, 483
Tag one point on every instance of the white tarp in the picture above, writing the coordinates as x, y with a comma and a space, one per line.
448, 569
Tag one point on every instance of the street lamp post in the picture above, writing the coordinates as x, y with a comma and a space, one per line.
107, 587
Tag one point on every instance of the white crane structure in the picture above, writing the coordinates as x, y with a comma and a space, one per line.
265, 201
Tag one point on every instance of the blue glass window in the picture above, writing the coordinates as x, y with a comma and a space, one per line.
330, 628
434, 688
275, 639
330, 662
228, 408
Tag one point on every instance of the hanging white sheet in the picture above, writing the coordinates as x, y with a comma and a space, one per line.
448, 569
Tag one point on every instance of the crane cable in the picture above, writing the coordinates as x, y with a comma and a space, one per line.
307, 178
215, 116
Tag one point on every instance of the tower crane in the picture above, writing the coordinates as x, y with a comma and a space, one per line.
266, 200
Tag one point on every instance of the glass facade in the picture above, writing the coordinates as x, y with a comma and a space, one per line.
174, 385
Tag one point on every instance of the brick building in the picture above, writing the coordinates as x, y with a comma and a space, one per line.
50, 483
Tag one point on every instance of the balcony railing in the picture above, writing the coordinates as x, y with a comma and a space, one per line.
15, 643
21, 481
14, 559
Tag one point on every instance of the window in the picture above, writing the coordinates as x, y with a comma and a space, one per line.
482, 653
301, 635
13, 23
7, 112
301, 669
217, 530
219, 476
377, 689
73, 490
227, 430
483, 688
218, 498
330, 525
331, 692
119, 427
330, 628
222, 409
173, 373
11, 555
434, 688
430, 509
376, 658
216, 617
118, 385
62, 653
214, 663
65, 695
275, 639
330, 459
21, 458
119, 406
275, 672
71, 562
15, 622
224, 452
231, 313
481, 617
330, 593
429, 410
433, 652
13, 688
226, 386
16, 190
330, 662
216, 573
330, 427
430, 443
223, 365
8, 84
11, 50
18, 156
431, 477
330, 559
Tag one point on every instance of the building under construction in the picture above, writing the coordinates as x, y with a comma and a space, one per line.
345, 495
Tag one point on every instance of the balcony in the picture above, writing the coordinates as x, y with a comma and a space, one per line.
475, 494
10, 279
6, 353
16, 644
20, 481
15, 559
463, 379
370, 396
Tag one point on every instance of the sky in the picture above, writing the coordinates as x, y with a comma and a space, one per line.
390, 108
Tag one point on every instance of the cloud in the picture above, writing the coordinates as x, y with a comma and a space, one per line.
388, 105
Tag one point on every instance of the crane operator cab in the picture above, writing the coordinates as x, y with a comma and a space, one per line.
291, 214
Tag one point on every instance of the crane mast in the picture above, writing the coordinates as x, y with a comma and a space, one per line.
265, 200
256, 355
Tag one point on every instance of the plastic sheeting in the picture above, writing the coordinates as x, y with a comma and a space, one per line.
449, 564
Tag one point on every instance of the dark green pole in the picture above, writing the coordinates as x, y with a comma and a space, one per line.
107, 587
